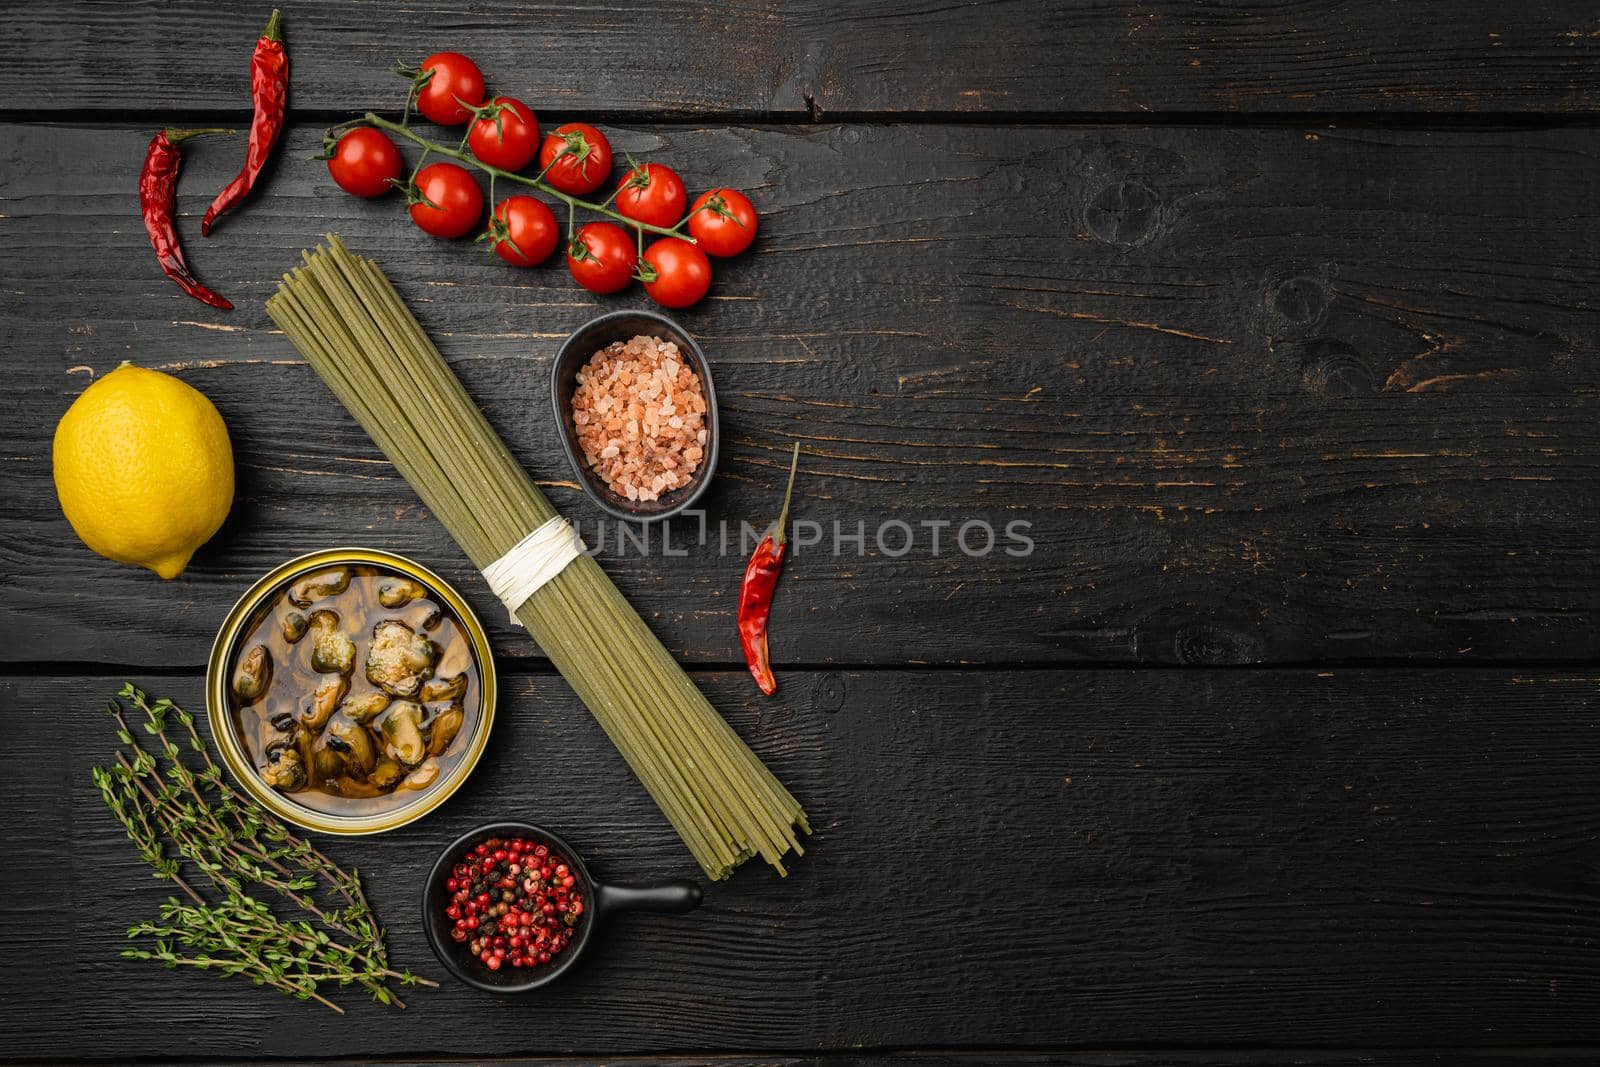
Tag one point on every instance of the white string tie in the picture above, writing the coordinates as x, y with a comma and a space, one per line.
533, 561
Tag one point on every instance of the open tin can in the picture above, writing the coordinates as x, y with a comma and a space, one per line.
232, 720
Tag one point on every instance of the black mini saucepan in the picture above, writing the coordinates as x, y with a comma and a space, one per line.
602, 900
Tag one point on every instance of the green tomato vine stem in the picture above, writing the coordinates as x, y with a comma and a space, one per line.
434, 147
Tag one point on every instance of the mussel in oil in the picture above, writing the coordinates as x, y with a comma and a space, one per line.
324, 701
253, 675
355, 745
328, 762
294, 627
319, 586
422, 777
401, 729
399, 658
366, 707
440, 689
444, 728
386, 773
398, 592
284, 770
332, 651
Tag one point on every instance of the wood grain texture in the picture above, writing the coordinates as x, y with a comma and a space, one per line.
1166, 1058
1085, 859
1270, 396
1322, 397
789, 58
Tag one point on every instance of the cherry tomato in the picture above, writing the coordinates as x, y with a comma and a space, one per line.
723, 221
652, 193
454, 88
365, 162
676, 273
450, 203
524, 231
601, 257
508, 139
581, 158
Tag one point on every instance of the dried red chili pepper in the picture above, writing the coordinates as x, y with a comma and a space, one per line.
755, 593
158, 199
269, 88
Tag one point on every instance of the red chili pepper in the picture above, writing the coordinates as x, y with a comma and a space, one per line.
755, 594
269, 88
158, 199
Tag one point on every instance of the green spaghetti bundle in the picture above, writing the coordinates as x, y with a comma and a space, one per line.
352, 327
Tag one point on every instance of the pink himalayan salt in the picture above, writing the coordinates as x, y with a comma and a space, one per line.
640, 416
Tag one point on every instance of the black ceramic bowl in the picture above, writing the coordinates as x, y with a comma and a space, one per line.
601, 900
578, 349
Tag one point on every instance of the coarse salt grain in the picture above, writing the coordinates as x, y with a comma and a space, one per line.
640, 416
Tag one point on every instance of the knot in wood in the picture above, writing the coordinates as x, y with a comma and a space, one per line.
828, 694
1124, 213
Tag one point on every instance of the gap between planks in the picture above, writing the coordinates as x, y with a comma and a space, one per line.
524, 665
1374, 120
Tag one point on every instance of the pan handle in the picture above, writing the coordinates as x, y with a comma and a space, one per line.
677, 895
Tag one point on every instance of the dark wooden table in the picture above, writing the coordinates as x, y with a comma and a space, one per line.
1276, 322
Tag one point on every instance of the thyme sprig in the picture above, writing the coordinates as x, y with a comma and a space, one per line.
182, 818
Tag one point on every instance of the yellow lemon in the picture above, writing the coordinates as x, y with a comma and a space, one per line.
143, 469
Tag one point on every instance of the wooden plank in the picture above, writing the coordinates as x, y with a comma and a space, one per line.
1081, 859
1120, 1058
784, 57
1268, 396
923, 1058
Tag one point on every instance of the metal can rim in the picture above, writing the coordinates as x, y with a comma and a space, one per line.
239, 763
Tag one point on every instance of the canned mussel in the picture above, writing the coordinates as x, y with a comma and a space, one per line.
351, 690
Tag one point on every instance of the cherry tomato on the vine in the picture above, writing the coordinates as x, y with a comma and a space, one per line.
524, 232
723, 222
576, 158
675, 273
451, 91
365, 162
506, 135
601, 257
652, 193
447, 201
